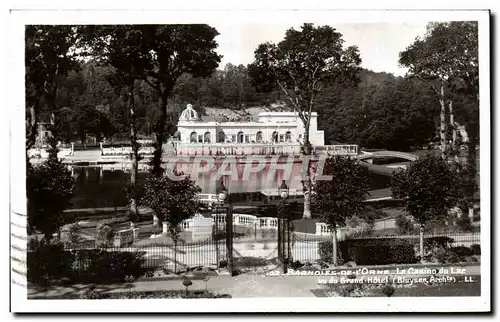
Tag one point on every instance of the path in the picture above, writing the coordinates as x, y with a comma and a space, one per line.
242, 286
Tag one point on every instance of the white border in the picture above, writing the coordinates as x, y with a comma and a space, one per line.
17, 20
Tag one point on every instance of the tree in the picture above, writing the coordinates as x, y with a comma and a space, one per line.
48, 58
343, 197
49, 191
126, 49
428, 189
172, 201
176, 50
301, 66
447, 59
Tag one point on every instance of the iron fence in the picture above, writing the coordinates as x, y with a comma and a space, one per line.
208, 252
306, 247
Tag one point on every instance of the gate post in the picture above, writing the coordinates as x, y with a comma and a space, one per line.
229, 239
281, 262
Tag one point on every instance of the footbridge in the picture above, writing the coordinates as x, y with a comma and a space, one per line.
387, 154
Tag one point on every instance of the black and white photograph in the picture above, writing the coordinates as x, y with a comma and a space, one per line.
250, 161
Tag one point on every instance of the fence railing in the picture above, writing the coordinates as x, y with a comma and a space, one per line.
253, 243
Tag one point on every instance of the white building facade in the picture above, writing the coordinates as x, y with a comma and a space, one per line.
270, 128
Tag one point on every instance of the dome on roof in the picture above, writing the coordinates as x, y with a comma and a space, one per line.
189, 114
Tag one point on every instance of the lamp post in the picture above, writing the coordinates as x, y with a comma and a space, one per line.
225, 200
283, 192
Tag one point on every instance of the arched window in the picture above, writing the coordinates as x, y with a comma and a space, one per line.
259, 137
221, 137
193, 138
206, 139
288, 136
275, 136
241, 137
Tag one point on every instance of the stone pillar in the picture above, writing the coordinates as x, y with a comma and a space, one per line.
471, 214
165, 227
318, 228
100, 146
72, 148
135, 233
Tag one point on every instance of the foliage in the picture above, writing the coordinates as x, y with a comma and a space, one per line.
464, 223
167, 295
176, 50
47, 260
343, 196
171, 200
476, 249
378, 251
388, 290
325, 250
447, 59
404, 225
47, 59
104, 235
302, 65
427, 188
50, 188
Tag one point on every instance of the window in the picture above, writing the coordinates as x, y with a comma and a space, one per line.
193, 137
288, 136
221, 137
247, 138
259, 137
282, 138
207, 137
200, 138
240, 137
275, 136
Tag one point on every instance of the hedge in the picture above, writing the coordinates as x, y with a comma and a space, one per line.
52, 262
371, 251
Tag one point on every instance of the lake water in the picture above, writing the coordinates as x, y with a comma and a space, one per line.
97, 187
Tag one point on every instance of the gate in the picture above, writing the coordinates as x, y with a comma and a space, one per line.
254, 243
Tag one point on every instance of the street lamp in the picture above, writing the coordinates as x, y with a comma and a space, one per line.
283, 192
221, 192
225, 202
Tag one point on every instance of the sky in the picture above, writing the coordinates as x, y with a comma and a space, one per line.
379, 43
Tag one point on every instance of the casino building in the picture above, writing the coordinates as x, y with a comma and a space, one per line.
277, 128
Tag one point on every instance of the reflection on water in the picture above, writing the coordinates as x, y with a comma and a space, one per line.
96, 187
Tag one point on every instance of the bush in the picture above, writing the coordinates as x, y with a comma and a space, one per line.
404, 225
98, 265
104, 235
379, 251
462, 251
464, 223
325, 252
47, 260
51, 262
476, 249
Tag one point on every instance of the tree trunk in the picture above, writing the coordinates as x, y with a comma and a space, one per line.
32, 128
306, 183
160, 132
422, 244
442, 128
175, 256
334, 247
455, 147
135, 150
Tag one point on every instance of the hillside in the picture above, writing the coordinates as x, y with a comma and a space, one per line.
248, 114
